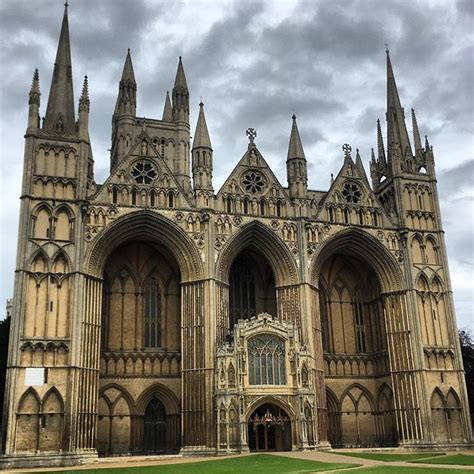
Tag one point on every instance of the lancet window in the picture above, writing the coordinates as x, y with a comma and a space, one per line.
242, 293
152, 314
266, 355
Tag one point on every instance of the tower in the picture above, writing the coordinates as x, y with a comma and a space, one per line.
202, 161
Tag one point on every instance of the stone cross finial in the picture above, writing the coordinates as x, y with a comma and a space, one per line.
251, 134
346, 148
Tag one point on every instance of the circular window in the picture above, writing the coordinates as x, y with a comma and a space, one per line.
253, 182
143, 173
351, 193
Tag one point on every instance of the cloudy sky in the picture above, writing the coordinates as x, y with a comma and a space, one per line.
254, 64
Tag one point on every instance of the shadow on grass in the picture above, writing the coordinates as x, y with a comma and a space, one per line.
458, 459
390, 457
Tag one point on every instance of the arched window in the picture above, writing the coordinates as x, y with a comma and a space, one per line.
152, 314
262, 207
171, 199
359, 324
114, 195
229, 204
152, 198
278, 209
246, 206
266, 355
242, 293
134, 197
323, 311
104, 330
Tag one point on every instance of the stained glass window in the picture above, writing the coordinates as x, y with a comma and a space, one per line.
266, 356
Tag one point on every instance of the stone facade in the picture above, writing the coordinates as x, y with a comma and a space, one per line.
153, 314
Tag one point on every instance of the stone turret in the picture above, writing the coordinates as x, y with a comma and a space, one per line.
296, 165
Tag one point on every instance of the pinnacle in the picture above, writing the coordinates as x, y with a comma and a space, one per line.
416, 131
60, 109
360, 165
128, 73
295, 147
85, 89
167, 111
201, 135
180, 81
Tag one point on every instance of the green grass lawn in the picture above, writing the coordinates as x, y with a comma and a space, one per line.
408, 470
459, 459
388, 457
257, 464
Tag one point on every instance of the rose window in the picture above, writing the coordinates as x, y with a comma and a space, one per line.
253, 182
351, 193
143, 173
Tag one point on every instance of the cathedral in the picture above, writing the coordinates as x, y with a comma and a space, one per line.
153, 313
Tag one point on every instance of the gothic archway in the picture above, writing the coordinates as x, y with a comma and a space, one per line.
269, 429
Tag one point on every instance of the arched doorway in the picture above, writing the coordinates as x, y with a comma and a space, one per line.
155, 427
269, 429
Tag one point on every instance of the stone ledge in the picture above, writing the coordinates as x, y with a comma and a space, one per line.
14, 461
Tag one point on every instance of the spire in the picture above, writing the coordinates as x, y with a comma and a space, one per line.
201, 135
60, 109
34, 103
180, 80
84, 105
427, 143
168, 111
416, 131
381, 150
35, 90
295, 148
360, 165
296, 167
372, 156
180, 96
396, 127
84, 101
127, 96
128, 74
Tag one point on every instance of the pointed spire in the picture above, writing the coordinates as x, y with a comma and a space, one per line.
416, 131
295, 148
60, 109
168, 111
180, 95
360, 165
35, 89
127, 97
427, 143
128, 74
180, 80
381, 150
201, 135
396, 128
372, 156
84, 101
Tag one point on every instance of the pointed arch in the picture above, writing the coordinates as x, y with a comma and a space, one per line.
421, 282
53, 401
258, 236
61, 262
417, 248
363, 245
145, 225
39, 261
431, 251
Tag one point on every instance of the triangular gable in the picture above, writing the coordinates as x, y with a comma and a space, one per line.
350, 192
144, 151
262, 183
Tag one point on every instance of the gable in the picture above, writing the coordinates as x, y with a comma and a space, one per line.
350, 199
143, 178
252, 178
